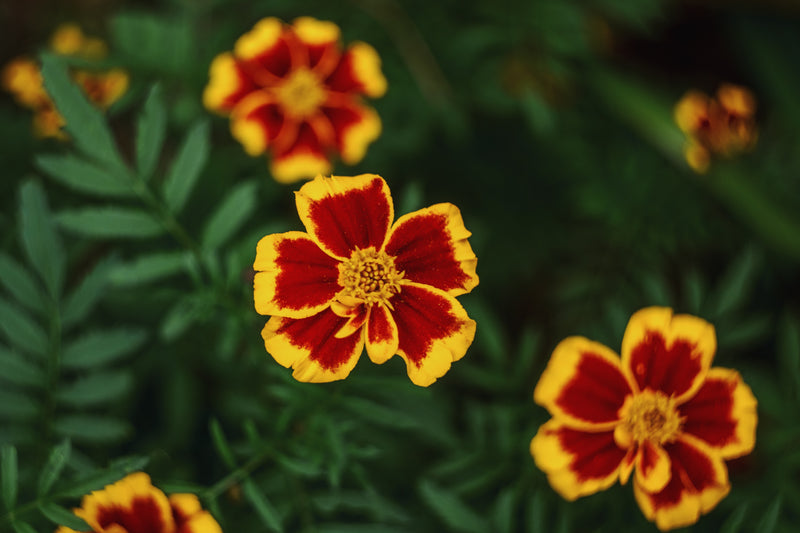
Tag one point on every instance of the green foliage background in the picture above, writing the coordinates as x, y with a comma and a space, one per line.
128, 338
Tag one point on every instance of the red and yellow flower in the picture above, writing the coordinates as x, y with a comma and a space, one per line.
724, 125
355, 280
23, 78
660, 409
134, 505
292, 91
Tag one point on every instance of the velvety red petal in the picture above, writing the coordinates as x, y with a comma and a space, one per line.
355, 127
359, 71
382, 336
668, 353
264, 52
722, 414
131, 503
294, 278
583, 385
257, 121
305, 158
433, 329
227, 85
430, 246
652, 467
577, 463
346, 213
320, 40
698, 481
310, 346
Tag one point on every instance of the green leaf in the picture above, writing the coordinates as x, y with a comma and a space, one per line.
96, 389
267, 513
110, 222
20, 284
84, 122
9, 475
187, 166
62, 517
80, 302
734, 522
789, 354
221, 443
99, 348
736, 283
16, 405
85, 176
59, 456
449, 507
22, 527
97, 480
14, 368
143, 39
94, 429
770, 519
235, 209
503, 515
21, 330
149, 268
39, 238
182, 315
150, 131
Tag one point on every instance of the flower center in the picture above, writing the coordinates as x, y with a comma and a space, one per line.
301, 94
370, 275
651, 416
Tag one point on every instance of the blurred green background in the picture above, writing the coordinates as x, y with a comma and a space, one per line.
547, 122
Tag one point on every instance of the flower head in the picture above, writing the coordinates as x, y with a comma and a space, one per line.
22, 77
724, 125
660, 409
292, 91
356, 279
134, 505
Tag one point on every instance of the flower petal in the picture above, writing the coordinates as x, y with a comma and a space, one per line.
698, 481
722, 414
227, 85
304, 158
583, 385
132, 503
257, 121
294, 278
346, 213
577, 463
430, 246
382, 336
190, 517
23, 78
264, 52
433, 329
653, 467
321, 41
359, 71
311, 348
355, 127
103, 88
668, 353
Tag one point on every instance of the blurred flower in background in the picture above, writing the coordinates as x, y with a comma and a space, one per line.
292, 91
661, 409
134, 505
356, 279
22, 77
724, 125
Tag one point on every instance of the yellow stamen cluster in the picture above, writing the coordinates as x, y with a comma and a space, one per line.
651, 416
301, 94
370, 276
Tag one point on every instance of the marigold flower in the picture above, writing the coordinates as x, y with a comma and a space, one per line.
291, 90
661, 409
134, 505
724, 125
22, 77
356, 279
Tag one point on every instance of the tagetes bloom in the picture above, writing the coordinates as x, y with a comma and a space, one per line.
23, 78
724, 125
356, 279
292, 90
134, 505
661, 409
